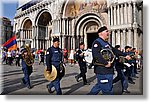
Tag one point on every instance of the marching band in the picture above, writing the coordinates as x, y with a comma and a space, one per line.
103, 58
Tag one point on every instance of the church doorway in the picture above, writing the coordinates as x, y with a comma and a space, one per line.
90, 39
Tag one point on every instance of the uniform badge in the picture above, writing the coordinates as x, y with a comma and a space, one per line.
95, 45
107, 46
47, 53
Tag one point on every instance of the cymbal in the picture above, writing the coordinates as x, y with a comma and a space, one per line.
50, 76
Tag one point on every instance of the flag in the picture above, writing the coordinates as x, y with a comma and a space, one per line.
11, 44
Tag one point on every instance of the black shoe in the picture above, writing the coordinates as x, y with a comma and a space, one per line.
23, 81
77, 78
136, 77
29, 87
49, 90
126, 91
131, 82
85, 83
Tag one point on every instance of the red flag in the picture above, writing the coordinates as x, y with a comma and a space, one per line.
11, 44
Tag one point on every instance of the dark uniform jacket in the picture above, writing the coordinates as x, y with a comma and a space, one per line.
97, 46
54, 57
80, 58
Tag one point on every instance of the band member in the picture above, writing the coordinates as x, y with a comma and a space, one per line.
42, 57
129, 68
103, 69
54, 57
82, 64
17, 57
120, 73
26, 66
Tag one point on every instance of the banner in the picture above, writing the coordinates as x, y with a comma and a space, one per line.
11, 44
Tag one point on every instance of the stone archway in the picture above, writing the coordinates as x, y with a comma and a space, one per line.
90, 33
44, 26
86, 28
27, 31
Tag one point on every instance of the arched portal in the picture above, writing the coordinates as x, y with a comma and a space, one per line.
44, 25
86, 29
86, 16
27, 31
90, 33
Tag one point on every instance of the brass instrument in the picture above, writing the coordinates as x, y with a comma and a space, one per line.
108, 55
29, 60
122, 59
50, 76
133, 56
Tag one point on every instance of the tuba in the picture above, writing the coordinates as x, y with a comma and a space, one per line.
29, 60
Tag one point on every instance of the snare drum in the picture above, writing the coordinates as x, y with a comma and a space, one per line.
88, 55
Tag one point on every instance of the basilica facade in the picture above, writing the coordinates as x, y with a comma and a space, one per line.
75, 21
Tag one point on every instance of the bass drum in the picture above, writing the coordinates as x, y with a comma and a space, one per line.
88, 56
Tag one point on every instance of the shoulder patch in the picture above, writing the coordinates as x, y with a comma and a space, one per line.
47, 52
95, 45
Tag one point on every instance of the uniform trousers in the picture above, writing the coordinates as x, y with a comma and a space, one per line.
83, 70
56, 85
27, 72
104, 84
121, 76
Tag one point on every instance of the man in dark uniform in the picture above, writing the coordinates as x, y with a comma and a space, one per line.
120, 73
82, 64
129, 68
54, 57
42, 57
104, 70
27, 70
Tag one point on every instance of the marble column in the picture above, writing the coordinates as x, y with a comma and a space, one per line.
125, 14
74, 42
134, 13
113, 38
37, 38
135, 38
23, 34
123, 39
115, 19
129, 38
85, 40
46, 37
118, 14
122, 14
130, 13
64, 26
67, 27
28, 32
112, 16
63, 42
109, 17
35, 34
22, 37
118, 37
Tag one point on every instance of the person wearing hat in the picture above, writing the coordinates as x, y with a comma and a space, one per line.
130, 67
54, 57
82, 64
119, 66
102, 68
27, 70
